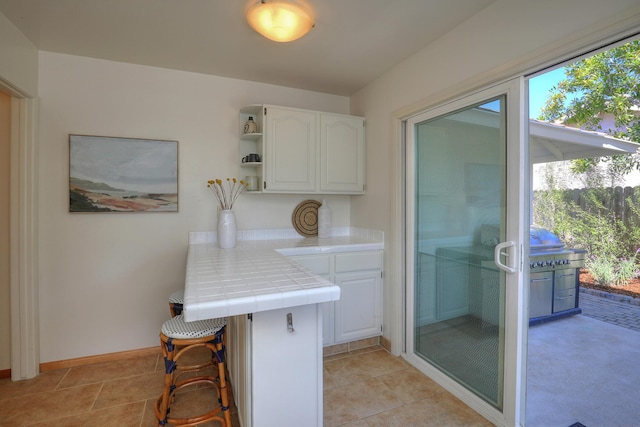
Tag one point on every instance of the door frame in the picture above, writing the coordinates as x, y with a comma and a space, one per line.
528, 66
23, 236
517, 226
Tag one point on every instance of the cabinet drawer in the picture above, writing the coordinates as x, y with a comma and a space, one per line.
319, 264
565, 279
564, 300
359, 261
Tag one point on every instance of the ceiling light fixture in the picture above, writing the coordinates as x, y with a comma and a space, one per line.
280, 21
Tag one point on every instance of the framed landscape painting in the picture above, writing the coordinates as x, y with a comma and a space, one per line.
109, 174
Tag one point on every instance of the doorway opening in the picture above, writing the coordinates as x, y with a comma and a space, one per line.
581, 368
551, 138
23, 235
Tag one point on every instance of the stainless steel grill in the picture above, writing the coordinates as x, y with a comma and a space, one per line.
554, 275
548, 253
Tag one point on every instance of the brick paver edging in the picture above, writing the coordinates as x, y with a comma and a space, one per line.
614, 297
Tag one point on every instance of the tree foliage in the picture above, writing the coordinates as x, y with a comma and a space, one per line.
608, 82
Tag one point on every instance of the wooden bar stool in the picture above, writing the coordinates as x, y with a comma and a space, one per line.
176, 301
177, 338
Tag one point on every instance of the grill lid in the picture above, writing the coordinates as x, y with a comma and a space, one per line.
541, 239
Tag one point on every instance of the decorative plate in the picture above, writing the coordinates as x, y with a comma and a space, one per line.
305, 218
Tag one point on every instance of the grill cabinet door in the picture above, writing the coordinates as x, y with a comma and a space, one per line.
564, 293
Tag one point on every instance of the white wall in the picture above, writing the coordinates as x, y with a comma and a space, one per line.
105, 278
507, 38
18, 59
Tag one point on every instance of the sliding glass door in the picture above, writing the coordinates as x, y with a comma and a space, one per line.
466, 172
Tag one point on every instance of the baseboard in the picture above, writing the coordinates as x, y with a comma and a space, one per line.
346, 347
5, 373
100, 358
385, 343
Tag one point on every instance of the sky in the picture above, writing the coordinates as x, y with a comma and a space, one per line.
539, 90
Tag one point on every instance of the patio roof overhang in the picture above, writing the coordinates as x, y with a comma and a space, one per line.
551, 143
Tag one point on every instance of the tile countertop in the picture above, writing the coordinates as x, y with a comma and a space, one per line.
256, 275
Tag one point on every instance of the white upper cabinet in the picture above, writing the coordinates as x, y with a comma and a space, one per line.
291, 146
341, 153
304, 151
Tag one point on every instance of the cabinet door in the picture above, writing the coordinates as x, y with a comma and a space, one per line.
239, 364
290, 150
322, 266
452, 287
426, 292
291, 361
341, 154
358, 313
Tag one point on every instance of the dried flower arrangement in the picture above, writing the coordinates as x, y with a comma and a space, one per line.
228, 192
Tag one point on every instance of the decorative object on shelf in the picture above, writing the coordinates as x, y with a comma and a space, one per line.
108, 174
280, 21
250, 126
251, 158
305, 218
252, 183
324, 220
227, 194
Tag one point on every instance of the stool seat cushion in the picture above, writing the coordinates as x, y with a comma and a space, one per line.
177, 297
178, 328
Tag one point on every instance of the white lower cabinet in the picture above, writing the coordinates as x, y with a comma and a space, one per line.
239, 365
276, 371
322, 265
358, 313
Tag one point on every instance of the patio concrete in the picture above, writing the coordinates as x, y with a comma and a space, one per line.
585, 370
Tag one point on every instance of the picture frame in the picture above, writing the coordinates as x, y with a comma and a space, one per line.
114, 174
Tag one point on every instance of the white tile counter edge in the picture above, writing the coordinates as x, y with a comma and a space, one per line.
288, 242
221, 283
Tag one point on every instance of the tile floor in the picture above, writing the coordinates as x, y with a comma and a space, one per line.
371, 388
362, 388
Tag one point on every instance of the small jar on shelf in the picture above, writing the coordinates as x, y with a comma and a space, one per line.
250, 126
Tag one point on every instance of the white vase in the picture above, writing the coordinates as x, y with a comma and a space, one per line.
227, 229
324, 220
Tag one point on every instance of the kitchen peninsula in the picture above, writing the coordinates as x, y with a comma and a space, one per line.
275, 312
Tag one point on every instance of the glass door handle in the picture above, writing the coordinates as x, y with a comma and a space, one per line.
498, 254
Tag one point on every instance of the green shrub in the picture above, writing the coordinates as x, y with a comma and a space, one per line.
602, 270
627, 270
612, 272
589, 223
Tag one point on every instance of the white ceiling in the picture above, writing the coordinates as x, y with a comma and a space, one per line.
353, 42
